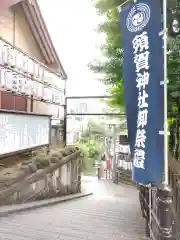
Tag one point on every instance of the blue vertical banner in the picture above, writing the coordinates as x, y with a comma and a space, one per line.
142, 75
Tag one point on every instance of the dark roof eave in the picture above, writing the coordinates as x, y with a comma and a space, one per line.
44, 39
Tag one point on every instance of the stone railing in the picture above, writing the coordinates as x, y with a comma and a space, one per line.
59, 178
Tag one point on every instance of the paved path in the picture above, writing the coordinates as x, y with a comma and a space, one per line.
112, 213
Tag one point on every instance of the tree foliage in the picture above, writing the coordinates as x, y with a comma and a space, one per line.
174, 75
90, 151
93, 129
110, 67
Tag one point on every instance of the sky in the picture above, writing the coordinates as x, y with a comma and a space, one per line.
71, 24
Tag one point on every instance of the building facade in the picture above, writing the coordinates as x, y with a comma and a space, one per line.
27, 56
76, 124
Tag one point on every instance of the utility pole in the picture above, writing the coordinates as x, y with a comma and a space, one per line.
114, 154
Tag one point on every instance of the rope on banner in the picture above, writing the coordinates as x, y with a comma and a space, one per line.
122, 4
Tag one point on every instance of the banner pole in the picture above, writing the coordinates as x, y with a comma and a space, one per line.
165, 94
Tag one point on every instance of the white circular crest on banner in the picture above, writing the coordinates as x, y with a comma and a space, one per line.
138, 17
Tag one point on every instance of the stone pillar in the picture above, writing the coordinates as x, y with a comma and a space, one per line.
147, 210
164, 194
78, 164
144, 203
72, 174
69, 180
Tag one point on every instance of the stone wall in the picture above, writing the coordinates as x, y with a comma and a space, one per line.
58, 179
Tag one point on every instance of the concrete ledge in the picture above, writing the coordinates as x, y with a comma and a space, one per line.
16, 208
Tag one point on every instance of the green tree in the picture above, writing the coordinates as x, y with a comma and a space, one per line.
93, 150
111, 66
89, 153
174, 76
93, 129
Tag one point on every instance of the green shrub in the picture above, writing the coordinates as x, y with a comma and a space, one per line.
89, 153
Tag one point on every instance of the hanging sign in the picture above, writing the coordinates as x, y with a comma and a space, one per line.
143, 73
23, 131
